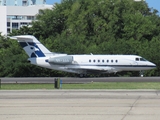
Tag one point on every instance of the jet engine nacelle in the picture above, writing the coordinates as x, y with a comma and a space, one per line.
62, 60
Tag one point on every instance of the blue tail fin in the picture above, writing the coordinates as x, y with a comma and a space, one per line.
32, 46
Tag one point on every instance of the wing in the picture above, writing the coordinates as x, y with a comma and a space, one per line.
93, 69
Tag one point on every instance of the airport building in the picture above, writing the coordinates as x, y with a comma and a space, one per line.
21, 2
14, 16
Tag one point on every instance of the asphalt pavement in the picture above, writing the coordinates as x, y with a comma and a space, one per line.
79, 104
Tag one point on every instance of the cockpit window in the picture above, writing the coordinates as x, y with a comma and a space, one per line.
142, 59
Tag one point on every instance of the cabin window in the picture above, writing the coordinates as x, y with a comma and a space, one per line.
142, 59
89, 60
112, 61
94, 60
137, 59
107, 61
103, 61
98, 60
116, 61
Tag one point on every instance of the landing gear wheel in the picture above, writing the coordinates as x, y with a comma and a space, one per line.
141, 73
81, 75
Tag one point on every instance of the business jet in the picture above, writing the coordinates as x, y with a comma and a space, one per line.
81, 64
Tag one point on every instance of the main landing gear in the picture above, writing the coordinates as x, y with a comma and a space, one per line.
82, 75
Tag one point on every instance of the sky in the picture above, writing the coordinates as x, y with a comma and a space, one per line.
151, 3
154, 4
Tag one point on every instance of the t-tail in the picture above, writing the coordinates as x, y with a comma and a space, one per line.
32, 46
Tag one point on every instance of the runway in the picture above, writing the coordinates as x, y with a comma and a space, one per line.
80, 105
79, 80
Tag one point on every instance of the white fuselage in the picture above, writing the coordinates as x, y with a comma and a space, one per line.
83, 64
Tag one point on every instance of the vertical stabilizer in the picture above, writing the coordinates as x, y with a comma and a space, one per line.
32, 46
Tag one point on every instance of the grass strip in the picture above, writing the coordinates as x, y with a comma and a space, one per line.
94, 85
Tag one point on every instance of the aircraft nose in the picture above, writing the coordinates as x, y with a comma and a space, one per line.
153, 65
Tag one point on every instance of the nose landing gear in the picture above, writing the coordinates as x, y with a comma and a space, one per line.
141, 73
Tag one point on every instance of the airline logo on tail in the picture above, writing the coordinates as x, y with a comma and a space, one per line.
32, 46
32, 49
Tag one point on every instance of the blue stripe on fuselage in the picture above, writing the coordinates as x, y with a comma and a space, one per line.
118, 65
